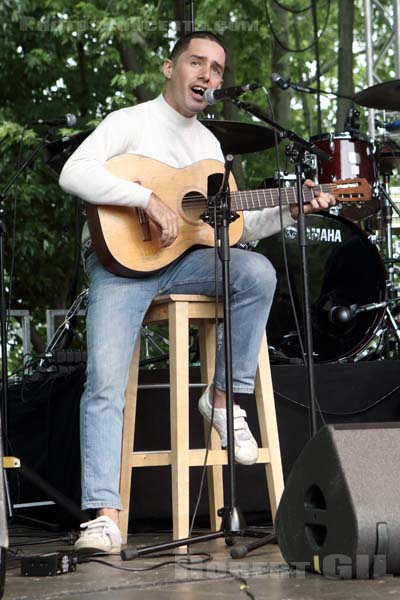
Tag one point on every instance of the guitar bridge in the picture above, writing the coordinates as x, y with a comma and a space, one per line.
144, 225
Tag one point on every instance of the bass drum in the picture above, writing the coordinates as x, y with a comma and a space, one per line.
344, 268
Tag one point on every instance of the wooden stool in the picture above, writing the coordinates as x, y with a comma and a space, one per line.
178, 310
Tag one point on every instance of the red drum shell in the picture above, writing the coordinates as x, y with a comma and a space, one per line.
352, 158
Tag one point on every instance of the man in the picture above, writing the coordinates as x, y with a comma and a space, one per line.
165, 129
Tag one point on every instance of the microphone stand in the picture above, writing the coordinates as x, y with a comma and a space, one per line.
25, 471
297, 154
285, 84
218, 215
3, 310
300, 146
4, 371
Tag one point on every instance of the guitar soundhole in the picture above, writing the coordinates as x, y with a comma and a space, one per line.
193, 205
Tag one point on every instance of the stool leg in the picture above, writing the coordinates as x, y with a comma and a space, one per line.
268, 426
214, 473
128, 440
179, 402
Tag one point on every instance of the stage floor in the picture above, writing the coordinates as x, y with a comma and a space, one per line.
264, 571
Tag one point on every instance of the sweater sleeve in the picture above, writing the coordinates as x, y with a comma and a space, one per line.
259, 224
85, 174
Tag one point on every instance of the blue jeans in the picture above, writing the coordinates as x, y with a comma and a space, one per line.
116, 307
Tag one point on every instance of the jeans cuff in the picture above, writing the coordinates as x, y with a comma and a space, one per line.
101, 504
237, 389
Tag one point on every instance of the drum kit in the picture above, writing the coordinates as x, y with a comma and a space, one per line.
352, 264
355, 307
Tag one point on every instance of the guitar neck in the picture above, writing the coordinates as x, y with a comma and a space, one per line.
268, 198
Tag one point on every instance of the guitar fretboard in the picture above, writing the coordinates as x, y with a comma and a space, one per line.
268, 198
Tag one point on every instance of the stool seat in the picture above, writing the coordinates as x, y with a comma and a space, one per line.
178, 310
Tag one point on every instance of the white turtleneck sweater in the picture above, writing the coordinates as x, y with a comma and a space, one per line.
156, 130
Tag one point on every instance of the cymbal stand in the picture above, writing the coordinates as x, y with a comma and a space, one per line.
387, 207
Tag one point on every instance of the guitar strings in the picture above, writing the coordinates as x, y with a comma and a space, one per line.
193, 202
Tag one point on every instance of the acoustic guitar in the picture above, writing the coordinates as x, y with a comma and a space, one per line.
127, 242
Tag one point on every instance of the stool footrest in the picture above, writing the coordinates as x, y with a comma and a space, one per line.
162, 458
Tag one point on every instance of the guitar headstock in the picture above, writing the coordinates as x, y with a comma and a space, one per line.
351, 190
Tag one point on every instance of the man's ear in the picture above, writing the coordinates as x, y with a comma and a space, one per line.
167, 68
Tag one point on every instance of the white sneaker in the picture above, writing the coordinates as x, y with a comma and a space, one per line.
246, 449
99, 535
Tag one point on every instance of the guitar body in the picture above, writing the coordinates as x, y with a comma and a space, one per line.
127, 242
130, 248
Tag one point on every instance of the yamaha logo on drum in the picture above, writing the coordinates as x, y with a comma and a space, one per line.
331, 235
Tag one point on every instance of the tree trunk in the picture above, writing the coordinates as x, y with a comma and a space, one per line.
280, 99
304, 97
345, 60
182, 17
84, 95
130, 62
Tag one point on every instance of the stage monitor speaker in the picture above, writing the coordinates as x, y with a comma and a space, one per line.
340, 511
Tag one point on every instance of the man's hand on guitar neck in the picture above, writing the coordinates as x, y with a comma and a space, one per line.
320, 201
165, 220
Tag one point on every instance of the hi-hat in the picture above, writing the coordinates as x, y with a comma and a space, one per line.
384, 96
240, 138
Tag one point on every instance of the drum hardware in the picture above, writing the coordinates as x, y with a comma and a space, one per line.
387, 207
380, 342
379, 346
352, 122
387, 159
283, 178
155, 344
47, 360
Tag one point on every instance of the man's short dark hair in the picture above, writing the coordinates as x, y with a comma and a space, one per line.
183, 42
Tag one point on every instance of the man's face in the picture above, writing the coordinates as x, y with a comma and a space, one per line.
199, 67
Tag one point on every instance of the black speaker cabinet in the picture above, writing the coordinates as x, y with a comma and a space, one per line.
340, 511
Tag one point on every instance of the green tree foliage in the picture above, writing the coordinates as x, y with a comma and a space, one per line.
89, 58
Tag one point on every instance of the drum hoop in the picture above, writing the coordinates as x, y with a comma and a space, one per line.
345, 135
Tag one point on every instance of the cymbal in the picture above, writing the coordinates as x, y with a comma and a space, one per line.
235, 138
383, 96
240, 138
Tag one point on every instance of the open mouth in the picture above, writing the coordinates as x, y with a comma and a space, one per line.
198, 90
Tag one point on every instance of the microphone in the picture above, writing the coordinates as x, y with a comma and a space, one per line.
69, 120
284, 84
342, 314
211, 95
